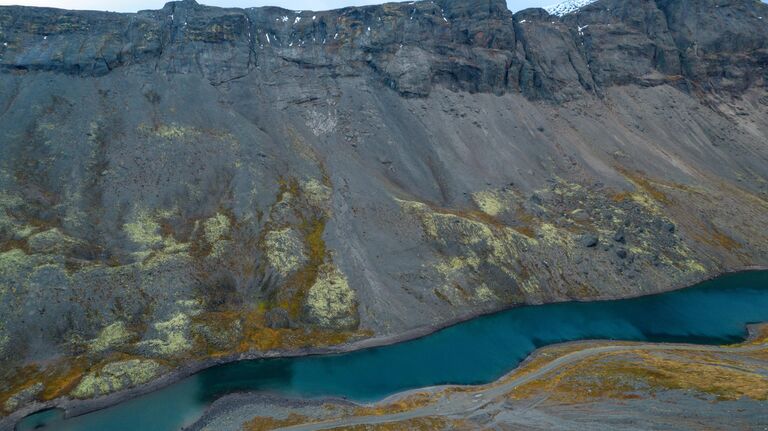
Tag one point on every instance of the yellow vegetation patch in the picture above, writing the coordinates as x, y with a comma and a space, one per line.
146, 230
551, 235
285, 250
330, 302
316, 193
111, 336
116, 376
489, 202
216, 227
174, 336
169, 131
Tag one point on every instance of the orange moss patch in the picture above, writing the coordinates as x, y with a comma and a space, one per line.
760, 336
218, 321
525, 230
646, 185
265, 339
265, 423
620, 375
405, 404
621, 196
18, 380
427, 423
711, 235
256, 336
58, 379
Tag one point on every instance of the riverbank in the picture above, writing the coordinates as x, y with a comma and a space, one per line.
76, 407
587, 374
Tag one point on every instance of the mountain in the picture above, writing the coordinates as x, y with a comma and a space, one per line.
197, 184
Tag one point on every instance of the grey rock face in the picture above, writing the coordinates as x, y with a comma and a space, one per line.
225, 181
406, 46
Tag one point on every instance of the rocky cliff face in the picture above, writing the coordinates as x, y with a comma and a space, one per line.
197, 182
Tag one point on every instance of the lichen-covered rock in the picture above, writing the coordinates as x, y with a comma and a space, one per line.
173, 336
285, 250
23, 397
491, 202
143, 230
117, 376
330, 302
316, 193
216, 227
50, 241
113, 335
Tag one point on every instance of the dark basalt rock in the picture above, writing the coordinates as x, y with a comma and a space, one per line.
619, 237
589, 240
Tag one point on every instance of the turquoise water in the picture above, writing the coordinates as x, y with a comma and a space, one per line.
478, 351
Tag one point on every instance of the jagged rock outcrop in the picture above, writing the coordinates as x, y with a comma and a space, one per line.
196, 182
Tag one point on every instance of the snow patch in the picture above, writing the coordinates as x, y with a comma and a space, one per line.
567, 7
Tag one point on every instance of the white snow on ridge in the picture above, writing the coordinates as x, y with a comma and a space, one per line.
567, 7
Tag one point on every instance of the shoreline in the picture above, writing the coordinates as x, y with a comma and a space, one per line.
74, 407
224, 403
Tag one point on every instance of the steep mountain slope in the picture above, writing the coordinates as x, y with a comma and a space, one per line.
196, 182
